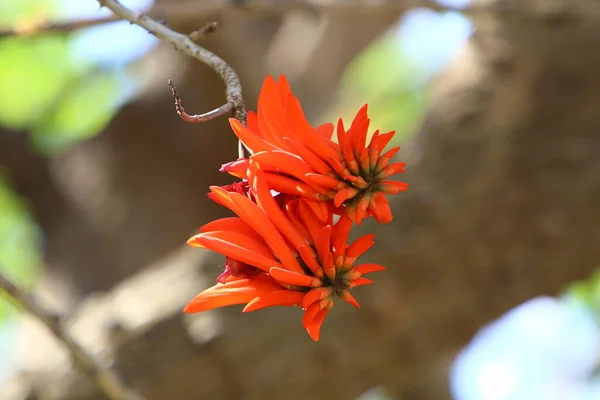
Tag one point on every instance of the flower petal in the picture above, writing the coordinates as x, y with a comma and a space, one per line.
275, 298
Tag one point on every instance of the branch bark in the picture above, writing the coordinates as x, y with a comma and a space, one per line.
106, 379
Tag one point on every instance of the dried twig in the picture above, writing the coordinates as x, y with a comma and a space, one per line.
105, 378
185, 44
197, 119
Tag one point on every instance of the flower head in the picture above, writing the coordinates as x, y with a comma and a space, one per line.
280, 250
300, 160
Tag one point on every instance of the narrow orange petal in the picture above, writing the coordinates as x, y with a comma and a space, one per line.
293, 278
251, 213
235, 224
310, 220
276, 298
341, 230
320, 209
315, 295
368, 268
245, 250
314, 161
267, 203
361, 115
314, 328
236, 168
252, 123
325, 130
284, 184
287, 162
360, 282
291, 209
323, 242
346, 296
283, 89
359, 135
390, 170
309, 257
271, 115
382, 209
360, 245
384, 139
305, 134
343, 195
222, 295
392, 187
324, 180
253, 142
237, 239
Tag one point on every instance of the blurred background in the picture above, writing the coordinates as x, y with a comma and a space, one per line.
489, 292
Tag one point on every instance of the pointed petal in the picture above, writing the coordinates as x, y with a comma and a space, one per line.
222, 295
360, 245
293, 278
235, 224
368, 268
325, 130
267, 203
314, 161
360, 282
284, 184
275, 298
314, 328
237, 246
251, 213
347, 296
249, 139
323, 242
341, 230
287, 162
314, 296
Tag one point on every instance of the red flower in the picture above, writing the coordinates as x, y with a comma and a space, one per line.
280, 252
300, 160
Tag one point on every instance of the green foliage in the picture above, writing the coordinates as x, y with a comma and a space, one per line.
86, 107
587, 291
392, 85
19, 248
32, 79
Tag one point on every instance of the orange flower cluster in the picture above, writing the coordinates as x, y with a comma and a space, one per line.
287, 247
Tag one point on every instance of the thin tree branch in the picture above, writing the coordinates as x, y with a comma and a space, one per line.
105, 378
185, 44
199, 118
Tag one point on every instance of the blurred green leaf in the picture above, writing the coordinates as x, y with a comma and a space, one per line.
20, 258
33, 72
389, 82
85, 109
587, 291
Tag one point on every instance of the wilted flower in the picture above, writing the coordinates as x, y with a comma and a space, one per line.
280, 251
300, 160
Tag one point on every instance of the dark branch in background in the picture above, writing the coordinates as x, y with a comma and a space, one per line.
195, 9
105, 378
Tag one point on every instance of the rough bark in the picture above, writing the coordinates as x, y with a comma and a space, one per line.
502, 207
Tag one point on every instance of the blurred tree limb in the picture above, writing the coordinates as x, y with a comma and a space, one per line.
107, 380
194, 10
